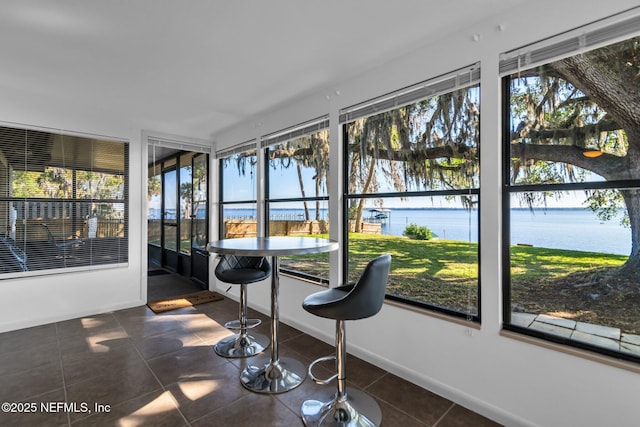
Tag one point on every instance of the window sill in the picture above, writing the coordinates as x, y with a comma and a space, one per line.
573, 351
65, 270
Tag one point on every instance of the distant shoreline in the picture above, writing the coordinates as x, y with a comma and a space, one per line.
572, 228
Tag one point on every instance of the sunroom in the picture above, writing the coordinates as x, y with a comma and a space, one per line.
491, 148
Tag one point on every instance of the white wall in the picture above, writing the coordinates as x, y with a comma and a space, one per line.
513, 382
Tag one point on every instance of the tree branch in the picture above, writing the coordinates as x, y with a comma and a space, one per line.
577, 134
607, 165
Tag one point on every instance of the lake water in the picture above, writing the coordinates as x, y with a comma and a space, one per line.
570, 229
154, 213
558, 228
576, 229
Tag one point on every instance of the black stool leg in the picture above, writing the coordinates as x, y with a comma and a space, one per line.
352, 408
242, 344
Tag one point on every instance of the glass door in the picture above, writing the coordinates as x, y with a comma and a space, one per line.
170, 219
185, 190
154, 215
178, 216
200, 219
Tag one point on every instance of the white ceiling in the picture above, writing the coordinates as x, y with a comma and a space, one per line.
205, 65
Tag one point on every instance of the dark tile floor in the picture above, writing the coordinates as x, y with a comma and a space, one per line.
136, 368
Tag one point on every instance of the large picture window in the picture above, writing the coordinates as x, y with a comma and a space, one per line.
297, 194
238, 186
63, 201
412, 190
572, 194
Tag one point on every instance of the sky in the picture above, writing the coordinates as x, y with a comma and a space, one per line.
284, 184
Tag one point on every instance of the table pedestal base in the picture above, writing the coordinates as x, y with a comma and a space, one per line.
267, 376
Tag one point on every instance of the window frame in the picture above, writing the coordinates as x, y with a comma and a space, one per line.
75, 200
305, 129
365, 110
508, 190
221, 202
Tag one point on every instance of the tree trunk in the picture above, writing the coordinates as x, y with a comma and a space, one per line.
317, 201
615, 90
632, 200
302, 192
365, 189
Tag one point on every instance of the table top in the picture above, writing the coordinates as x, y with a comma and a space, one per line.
272, 246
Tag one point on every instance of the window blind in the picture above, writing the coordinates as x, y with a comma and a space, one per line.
236, 149
306, 128
464, 77
582, 39
179, 145
63, 201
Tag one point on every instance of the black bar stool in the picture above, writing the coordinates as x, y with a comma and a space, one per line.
242, 270
348, 302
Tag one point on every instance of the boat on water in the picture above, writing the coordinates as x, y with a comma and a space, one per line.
379, 213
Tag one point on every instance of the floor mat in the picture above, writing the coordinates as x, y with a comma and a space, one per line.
181, 301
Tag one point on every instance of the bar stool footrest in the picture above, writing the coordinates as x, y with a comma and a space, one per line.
317, 380
236, 326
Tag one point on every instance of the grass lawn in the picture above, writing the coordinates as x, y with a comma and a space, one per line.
445, 273
440, 272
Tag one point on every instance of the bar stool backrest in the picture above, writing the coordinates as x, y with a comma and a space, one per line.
367, 296
359, 300
242, 269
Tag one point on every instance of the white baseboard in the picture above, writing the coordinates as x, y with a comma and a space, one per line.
32, 322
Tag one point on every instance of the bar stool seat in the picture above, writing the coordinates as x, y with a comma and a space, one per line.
242, 270
346, 407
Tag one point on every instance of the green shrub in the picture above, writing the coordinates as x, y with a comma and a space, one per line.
418, 232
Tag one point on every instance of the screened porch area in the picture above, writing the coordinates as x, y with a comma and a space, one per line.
62, 201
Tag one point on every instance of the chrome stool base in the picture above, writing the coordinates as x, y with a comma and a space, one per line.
273, 377
242, 345
357, 410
